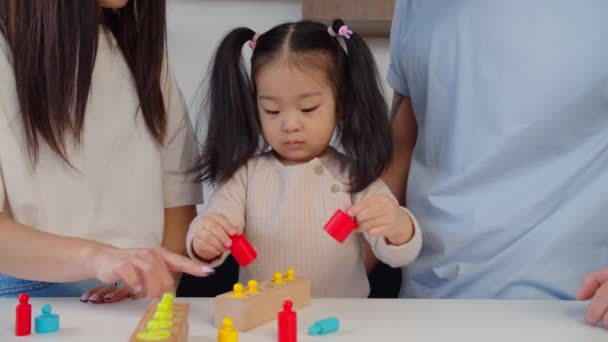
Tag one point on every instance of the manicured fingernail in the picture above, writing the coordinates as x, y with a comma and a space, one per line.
93, 298
85, 297
108, 297
138, 289
207, 269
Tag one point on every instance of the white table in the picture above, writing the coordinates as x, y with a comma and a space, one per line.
361, 320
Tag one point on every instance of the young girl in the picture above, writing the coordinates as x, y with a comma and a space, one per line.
94, 139
305, 88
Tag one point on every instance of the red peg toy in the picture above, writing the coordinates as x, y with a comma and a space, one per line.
288, 323
23, 316
242, 250
340, 226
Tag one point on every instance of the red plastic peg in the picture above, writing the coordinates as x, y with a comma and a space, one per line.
340, 226
242, 250
23, 316
288, 323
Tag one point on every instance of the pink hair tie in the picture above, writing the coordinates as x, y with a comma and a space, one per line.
254, 41
345, 32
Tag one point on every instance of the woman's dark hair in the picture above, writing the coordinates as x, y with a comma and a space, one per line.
53, 44
233, 131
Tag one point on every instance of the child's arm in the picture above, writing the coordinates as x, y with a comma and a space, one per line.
209, 235
392, 231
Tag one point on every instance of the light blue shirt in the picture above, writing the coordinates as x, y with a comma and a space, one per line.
509, 177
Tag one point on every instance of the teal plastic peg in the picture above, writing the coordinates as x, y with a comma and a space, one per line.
47, 322
324, 326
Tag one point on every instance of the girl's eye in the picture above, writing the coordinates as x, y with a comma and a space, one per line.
272, 112
308, 110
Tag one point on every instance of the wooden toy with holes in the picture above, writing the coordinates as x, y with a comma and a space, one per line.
259, 303
164, 321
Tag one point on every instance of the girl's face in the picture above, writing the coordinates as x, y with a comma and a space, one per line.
297, 110
112, 3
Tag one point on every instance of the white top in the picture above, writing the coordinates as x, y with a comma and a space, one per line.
361, 320
283, 210
122, 179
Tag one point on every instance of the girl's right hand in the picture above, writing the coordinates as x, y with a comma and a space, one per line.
212, 236
147, 271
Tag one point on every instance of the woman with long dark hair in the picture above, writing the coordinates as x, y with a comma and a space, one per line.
95, 140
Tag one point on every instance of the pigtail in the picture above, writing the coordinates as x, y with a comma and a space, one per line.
232, 129
365, 133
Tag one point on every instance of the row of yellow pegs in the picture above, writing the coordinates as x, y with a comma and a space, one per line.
156, 328
238, 291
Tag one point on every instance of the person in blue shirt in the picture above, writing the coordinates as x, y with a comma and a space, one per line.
500, 122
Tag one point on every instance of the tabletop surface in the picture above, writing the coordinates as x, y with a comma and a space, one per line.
360, 320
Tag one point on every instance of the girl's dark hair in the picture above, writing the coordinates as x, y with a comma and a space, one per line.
53, 44
234, 133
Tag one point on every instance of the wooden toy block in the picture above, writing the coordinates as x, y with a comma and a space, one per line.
258, 308
179, 330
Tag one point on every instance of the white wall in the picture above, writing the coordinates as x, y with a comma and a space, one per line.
195, 27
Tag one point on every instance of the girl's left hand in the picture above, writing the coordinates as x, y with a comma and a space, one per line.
381, 215
107, 294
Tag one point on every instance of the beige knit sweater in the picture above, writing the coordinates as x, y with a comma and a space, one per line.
283, 210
